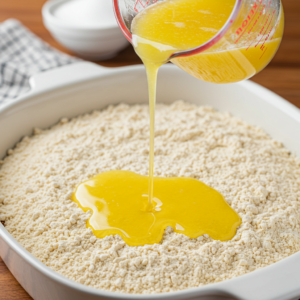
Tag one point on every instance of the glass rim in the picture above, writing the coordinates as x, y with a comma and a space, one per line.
235, 11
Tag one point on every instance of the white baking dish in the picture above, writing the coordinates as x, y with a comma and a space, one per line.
83, 87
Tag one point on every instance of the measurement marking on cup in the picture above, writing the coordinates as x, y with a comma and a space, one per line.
256, 20
246, 23
272, 27
140, 6
265, 14
263, 53
141, 3
262, 22
263, 27
267, 10
266, 29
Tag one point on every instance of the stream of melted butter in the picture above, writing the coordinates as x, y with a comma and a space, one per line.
139, 208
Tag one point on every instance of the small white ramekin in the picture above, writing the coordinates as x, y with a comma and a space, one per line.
94, 43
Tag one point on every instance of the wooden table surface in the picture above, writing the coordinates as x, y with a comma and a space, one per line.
281, 76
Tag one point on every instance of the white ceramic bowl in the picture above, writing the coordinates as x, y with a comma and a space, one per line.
93, 42
80, 88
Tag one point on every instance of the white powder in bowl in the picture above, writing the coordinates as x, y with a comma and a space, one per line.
86, 13
257, 176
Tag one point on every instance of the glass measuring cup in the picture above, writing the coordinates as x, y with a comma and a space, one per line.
244, 46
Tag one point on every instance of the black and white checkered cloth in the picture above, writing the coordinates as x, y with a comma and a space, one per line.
22, 54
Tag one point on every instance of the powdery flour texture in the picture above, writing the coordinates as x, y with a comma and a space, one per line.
258, 177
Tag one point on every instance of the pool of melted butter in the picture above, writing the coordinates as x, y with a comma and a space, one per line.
119, 204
